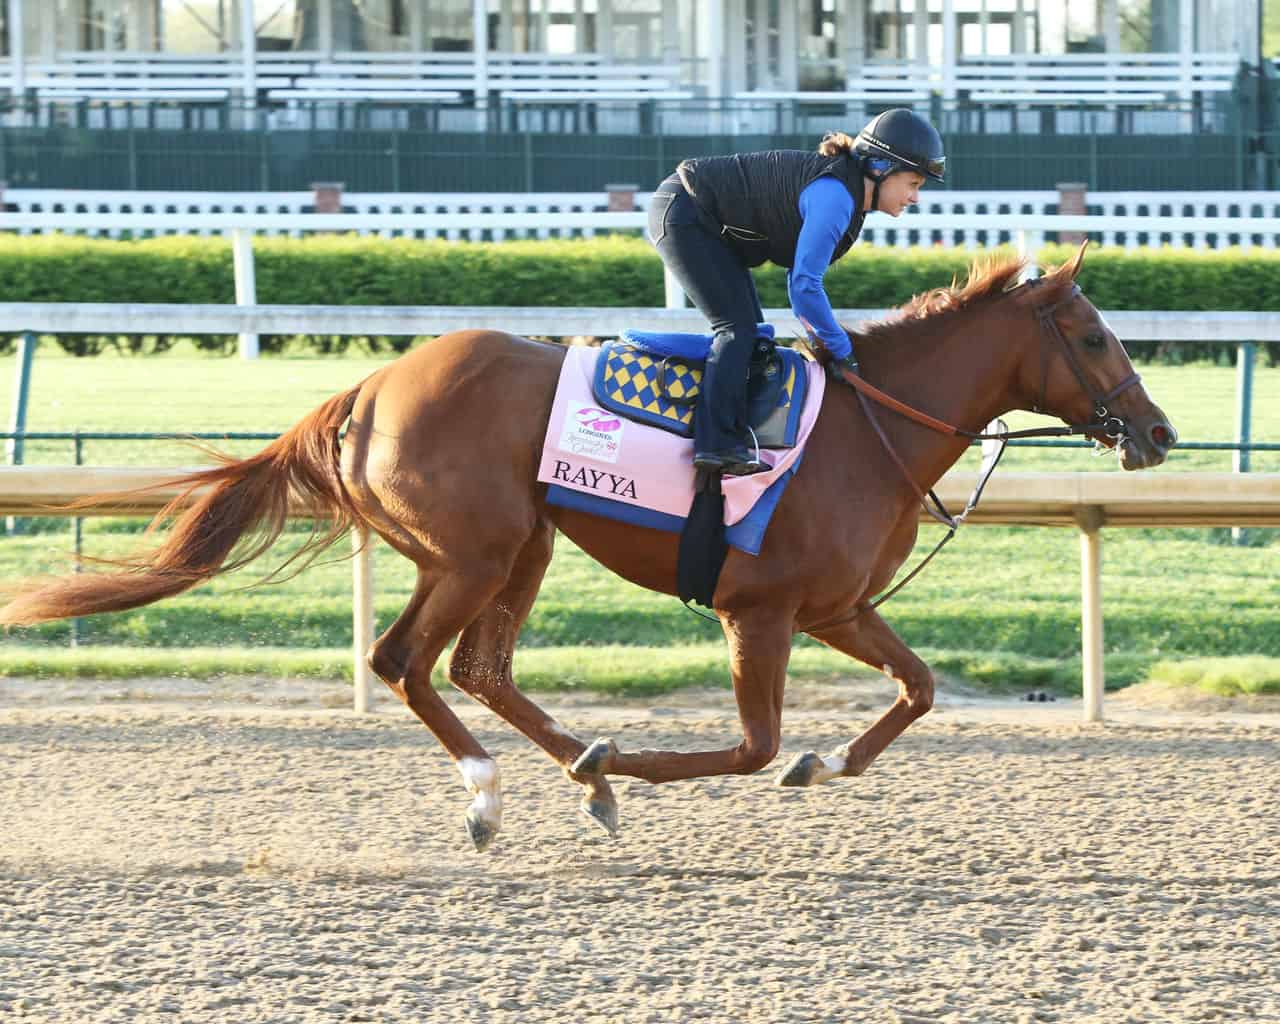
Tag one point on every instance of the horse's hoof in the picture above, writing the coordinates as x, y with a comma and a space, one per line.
802, 771
591, 759
481, 833
603, 812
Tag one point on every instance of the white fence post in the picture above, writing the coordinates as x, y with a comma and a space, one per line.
362, 618
1029, 251
1094, 680
246, 284
673, 294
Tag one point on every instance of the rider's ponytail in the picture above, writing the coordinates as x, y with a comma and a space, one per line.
834, 143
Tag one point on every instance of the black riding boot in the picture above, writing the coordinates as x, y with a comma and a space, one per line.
720, 420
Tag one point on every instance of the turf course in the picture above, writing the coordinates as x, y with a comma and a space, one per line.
1000, 607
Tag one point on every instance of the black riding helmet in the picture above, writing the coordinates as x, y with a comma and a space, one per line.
905, 139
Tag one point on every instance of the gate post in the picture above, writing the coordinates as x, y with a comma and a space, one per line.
18, 421
1244, 407
246, 284
1090, 520
362, 618
327, 196
1072, 202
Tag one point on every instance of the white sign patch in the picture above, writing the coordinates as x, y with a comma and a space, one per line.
591, 432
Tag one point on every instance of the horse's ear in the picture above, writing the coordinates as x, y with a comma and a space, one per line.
1073, 268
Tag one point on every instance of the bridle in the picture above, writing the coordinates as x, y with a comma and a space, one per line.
1103, 422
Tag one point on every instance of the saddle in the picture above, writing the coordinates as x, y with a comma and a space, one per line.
654, 378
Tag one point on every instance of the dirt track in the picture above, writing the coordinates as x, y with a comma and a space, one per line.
180, 862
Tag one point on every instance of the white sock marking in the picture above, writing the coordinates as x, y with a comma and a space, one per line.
480, 775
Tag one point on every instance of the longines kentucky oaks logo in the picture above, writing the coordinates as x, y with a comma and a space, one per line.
591, 432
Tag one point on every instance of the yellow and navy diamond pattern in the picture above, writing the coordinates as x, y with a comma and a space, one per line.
631, 381
626, 382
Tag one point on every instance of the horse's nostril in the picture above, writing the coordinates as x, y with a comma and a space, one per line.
1162, 436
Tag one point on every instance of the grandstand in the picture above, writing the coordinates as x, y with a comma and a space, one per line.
627, 74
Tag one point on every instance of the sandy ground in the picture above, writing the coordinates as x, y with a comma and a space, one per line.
175, 853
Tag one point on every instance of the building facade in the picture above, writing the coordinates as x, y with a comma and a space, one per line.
722, 47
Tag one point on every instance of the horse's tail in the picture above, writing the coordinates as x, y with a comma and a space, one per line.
247, 496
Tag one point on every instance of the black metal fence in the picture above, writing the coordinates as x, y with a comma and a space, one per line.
1219, 142
416, 161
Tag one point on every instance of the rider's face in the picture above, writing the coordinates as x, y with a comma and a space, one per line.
898, 191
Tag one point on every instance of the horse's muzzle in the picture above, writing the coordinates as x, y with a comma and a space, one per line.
1146, 441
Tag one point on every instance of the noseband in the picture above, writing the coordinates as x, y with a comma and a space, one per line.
1103, 422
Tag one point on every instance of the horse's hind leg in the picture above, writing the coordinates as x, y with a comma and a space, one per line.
481, 666
759, 647
868, 638
403, 658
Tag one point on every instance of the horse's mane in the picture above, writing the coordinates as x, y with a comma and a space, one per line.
989, 278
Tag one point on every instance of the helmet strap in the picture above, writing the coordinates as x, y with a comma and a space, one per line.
875, 194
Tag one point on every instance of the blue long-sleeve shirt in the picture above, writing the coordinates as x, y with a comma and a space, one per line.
826, 208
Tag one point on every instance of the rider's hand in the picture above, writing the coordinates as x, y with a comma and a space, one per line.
835, 366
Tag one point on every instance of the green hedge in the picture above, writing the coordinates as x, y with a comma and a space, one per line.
610, 271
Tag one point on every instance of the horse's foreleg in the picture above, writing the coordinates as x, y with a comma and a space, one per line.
481, 666
759, 646
868, 638
403, 658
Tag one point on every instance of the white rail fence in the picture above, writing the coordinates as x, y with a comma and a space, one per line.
1174, 218
540, 321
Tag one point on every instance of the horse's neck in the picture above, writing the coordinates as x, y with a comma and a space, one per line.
965, 375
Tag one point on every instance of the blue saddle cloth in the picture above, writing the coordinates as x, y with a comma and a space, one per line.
654, 378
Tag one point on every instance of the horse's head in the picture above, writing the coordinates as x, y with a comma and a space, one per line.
1084, 375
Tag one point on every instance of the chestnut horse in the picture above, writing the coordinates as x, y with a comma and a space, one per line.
440, 459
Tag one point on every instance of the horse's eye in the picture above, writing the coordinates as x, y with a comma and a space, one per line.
1096, 341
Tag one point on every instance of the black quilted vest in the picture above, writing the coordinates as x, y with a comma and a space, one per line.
753, 199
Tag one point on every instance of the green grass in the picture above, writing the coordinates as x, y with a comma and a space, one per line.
614, 669
999, 607
1227, 677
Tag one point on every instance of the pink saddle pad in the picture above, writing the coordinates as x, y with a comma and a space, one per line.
596, 452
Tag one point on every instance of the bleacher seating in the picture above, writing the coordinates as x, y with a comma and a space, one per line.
447, 77
1019, 81
518, 76
138, 78
1093, 78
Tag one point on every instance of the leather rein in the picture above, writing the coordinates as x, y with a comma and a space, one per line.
1102, 422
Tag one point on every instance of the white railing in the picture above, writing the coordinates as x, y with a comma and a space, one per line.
179, 207
967, 219
1198, 220
543, 321
1028, 231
